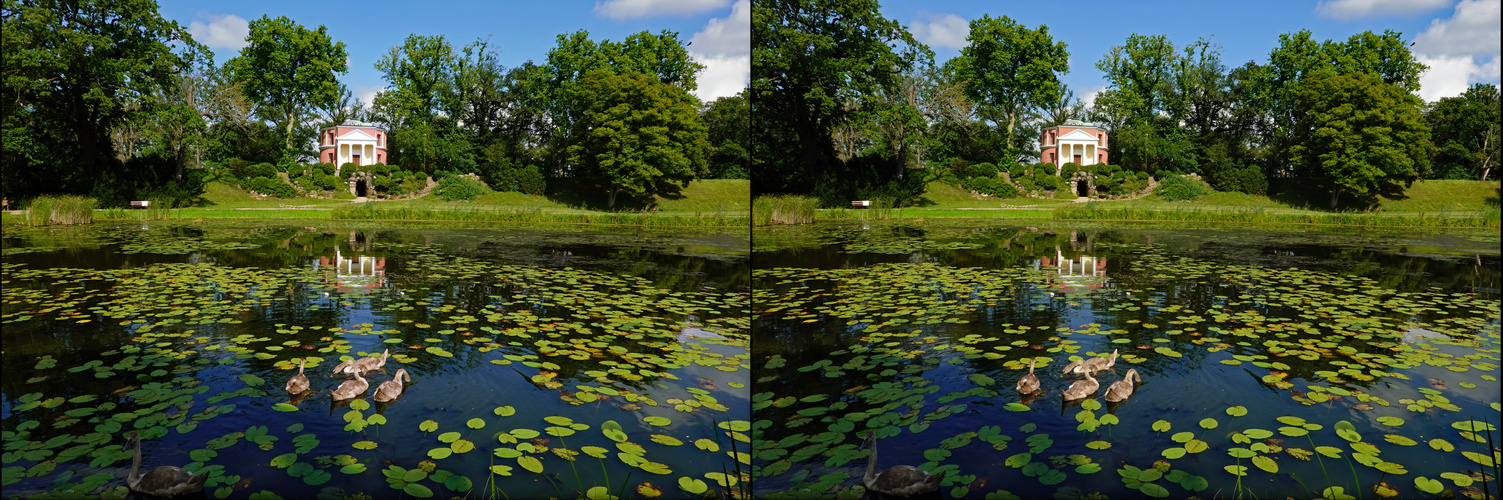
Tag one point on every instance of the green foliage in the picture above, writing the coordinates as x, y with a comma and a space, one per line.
1179, 188
1011, 69
1340, 150
1465, 129
728, 120
638, 135
287, 69
460, 188
1017, 171
271, 186
75, 73
986, 170
813, 60
65, 209
783, 209
265, 170
348, 168
991, 186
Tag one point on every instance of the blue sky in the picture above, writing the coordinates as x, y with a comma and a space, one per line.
1459, 39
520, 31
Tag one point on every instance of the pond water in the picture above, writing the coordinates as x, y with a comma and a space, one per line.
559, 362
1273, 364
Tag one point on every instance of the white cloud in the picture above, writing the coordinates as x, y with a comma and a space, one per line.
724, 48
945, 31
1450, 76
1473, 29
723, 76
223, 31
632, 9
367, 95
725, 36
1352, 9
1088, 96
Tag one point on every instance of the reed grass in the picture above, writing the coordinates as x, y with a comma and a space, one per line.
783, 209
1092, 211
62, 209
365, 211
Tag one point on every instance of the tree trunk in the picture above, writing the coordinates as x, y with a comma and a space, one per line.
182, 157
1335, 196
610, 197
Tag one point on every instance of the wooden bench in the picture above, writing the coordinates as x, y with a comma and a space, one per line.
139, 204
861, 204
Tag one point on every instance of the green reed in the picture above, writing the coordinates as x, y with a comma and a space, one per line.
62, 209
783, 209
1093, 211
365, 211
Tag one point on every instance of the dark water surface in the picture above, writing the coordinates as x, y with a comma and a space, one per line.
558, 362
1273, 363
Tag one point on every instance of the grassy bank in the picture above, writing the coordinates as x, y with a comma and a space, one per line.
783, 209
65, 209
1102, 211
374, 211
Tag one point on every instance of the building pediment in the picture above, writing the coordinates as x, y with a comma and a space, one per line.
1078, 135
356, 135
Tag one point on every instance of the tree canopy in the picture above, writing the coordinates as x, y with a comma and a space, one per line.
1464, 129
287, 71
1358, 134
1011, 70
637, 135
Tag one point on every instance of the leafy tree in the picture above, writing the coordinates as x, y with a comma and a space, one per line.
728, 120
1012, 70
1298, 55
73, 72
1138, 71
1357, 134
811, 60
1465, 128
288, 70
637, 135
418, 72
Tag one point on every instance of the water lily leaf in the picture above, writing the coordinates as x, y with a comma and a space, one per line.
1428, 485
475, 423
657, 421
1196, 446
504, 411
1195, 483
1241, 453
1485, 460
1461, 480
1236, 411
1238, 470
531, 464
1258, 433
440, 453
1391, 468
417, 490
428, 426
284, 407
1208, 423
1019, 460
1173, 453
1154, 490
1399, 440
1181, 437
1098, 445
1390, 421
448, 437
1161, 426
284, 460
1347, 431
1293, 431
1329, 451
1442, 445
1016, 407
1336, 493
1265, 463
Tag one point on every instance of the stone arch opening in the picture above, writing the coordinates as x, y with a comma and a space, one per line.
362, 188
1082, 188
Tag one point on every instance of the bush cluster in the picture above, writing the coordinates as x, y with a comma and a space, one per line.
1248, 179
263, 170
274, 187
1177, 188
455, 187
991, 186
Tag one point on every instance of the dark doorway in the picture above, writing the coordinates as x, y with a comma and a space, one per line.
1082, 189
360, 188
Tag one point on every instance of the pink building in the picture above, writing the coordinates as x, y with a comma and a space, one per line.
1075, 141
352, 142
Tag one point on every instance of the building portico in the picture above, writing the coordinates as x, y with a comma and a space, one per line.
352, 142
1074, 141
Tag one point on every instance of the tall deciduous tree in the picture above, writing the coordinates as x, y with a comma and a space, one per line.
1138, 71
288, 71
728, 120
1011, 69
811, 60
418, 72
73, 70
1465, 128
637, 135
1357, 134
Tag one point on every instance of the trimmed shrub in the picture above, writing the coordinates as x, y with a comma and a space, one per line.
1247, 179
347, 168
380, 168
959, 167
1068, 169
1017, 171
263, 170
455, 187
1178, 188
273, 187
986, 170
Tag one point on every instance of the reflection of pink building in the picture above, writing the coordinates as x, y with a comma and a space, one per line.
357, 273
1082, 272
352, 142
1075, 141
